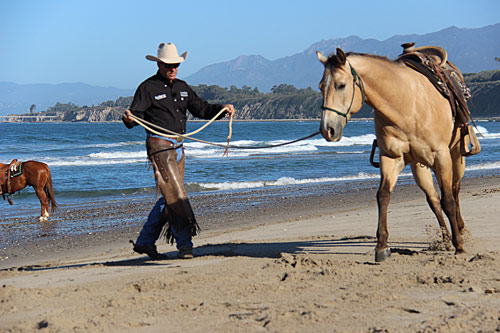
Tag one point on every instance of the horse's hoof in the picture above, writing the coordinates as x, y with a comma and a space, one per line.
381, 255
43, 219
459, 251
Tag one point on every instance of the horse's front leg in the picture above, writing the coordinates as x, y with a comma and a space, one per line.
44, 203
389, 172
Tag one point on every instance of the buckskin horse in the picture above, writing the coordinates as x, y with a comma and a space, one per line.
414, 124
17, 175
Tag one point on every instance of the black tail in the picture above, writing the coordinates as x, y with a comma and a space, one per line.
50, 193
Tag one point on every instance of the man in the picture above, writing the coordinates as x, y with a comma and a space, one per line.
163, 100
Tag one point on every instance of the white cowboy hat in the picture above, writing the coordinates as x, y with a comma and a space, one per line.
167, 53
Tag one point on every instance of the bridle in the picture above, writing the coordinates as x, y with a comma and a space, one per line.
356, 81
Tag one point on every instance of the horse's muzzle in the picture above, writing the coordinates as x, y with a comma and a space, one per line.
331, 127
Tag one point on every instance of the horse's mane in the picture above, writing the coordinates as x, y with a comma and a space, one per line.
333, 61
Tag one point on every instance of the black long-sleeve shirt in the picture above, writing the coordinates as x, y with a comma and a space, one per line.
162, 103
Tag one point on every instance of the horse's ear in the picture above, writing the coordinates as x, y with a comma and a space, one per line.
321, 57
341, 57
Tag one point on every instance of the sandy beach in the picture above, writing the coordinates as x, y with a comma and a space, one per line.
288, 263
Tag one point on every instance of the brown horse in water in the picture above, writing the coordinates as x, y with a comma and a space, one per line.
413, 124
35, 174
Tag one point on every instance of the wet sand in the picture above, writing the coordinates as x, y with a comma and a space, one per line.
281, 259
117, 221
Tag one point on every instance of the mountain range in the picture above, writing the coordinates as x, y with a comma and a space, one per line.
18, 98
472, 50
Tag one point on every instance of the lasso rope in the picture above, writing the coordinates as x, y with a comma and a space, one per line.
174, 135
226, 152
149, 126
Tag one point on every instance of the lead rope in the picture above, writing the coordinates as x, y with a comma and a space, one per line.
147, 125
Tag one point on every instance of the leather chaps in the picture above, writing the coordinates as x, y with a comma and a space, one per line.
169, 175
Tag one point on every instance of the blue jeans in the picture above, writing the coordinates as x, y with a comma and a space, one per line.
151, 230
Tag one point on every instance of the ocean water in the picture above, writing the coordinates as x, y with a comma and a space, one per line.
93, 161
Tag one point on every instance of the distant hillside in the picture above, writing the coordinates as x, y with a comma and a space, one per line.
485, 90
17, 98
283, 102
472, 50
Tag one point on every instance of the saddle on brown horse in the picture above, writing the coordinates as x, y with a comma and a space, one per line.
432, 62
6, 174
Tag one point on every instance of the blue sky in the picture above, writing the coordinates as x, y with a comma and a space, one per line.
103, 42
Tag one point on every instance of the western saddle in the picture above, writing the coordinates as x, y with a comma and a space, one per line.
5, 181
432, 61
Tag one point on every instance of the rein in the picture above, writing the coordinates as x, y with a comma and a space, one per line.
179, 137
356, 81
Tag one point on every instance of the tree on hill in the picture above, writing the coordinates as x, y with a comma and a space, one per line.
284, 89
63, 107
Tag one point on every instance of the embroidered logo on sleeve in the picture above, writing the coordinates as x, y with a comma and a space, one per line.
162, 96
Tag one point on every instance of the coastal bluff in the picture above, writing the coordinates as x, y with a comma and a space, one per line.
95, 114
284, 102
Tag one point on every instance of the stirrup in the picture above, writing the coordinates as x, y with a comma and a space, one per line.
468, 139
372, 155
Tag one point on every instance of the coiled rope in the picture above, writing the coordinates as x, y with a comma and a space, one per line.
179, 137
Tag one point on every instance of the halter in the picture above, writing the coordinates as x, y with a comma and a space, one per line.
356, 81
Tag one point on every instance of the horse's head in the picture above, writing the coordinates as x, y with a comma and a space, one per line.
340, 100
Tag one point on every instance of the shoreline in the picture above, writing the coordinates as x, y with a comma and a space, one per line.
492, 118
221, 211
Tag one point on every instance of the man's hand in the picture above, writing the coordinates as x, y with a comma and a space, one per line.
230, 110
127, 116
